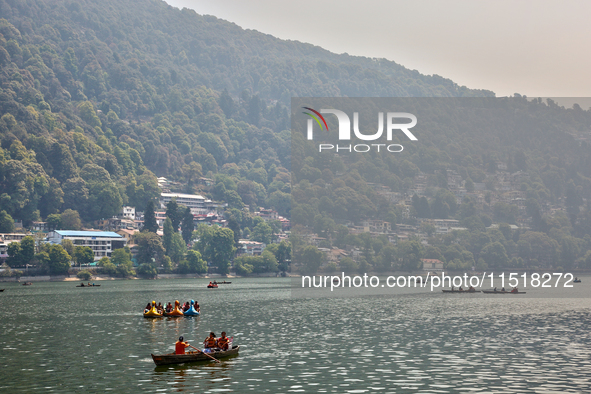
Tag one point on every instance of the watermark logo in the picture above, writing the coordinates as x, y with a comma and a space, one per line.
392, 121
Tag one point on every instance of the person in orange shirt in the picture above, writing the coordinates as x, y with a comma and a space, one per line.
210, 341
180, 346
223, 341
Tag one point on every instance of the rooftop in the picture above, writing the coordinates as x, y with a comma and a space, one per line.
67, 233
182, 195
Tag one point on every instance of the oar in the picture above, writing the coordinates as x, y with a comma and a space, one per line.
214, 359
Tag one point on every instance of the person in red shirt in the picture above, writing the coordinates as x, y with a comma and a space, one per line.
180, 346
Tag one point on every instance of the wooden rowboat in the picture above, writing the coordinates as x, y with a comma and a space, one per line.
461, 291
190, 357
502, 292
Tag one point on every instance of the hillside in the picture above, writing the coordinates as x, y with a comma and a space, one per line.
98, 97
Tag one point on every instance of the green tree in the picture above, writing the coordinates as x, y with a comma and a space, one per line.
262, 232
187, 225
234, 225
14, 254
59, 260
147, 271
410, 253
193, 263
70, 220
167, 234
494, 255
174, 213
150, 223
6, 223
68, 246
85, 275
177, 248
27, 252
150, 249
312, 259
54, 221
83, 254
223, 249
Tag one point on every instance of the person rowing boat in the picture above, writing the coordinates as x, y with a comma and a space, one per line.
180, 346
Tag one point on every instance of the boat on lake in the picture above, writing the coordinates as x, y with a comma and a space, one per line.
212, 285
190, 357
1, 290
153, 312
577, 280
191, 311
502, 292
83, 285
176, 312
461, 291
27, 283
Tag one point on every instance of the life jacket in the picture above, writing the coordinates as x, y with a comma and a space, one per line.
210, 342
223, 342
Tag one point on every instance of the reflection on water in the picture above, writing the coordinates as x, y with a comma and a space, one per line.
95, 340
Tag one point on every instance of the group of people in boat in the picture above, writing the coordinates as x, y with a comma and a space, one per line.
513, 290
169, 307
472, 289
210, 344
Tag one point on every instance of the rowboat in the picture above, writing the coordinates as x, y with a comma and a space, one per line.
212, 286
502, 292
172, 358
577, 281
88, 286
27, 283
222, 283
461, 291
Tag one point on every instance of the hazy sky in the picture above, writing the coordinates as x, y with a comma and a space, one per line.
539, 48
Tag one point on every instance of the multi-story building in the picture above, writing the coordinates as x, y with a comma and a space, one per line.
102, 243
188, 200
251, 247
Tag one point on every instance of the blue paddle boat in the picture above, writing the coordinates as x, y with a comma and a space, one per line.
191, 311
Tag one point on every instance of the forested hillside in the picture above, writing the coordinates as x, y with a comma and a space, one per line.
97, 98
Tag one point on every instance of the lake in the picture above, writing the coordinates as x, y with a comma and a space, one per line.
59, 338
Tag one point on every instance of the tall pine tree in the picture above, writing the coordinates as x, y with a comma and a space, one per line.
150, 223
187, 225
174, 213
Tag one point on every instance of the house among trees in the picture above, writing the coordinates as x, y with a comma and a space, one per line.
432, 265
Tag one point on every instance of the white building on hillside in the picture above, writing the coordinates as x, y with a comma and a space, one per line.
102, 243
188, 200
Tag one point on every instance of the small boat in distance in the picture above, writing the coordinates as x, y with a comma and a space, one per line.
27, 283
1, 290
172, 358
212, 285
502, 292
92, 285
461, 291
577, 280
222, 283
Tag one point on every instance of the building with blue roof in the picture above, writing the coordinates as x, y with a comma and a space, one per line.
102, 243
